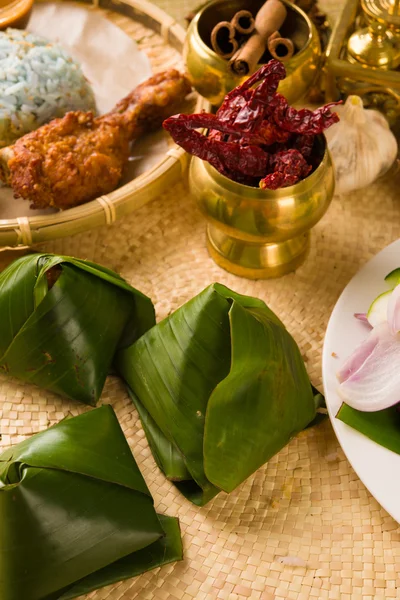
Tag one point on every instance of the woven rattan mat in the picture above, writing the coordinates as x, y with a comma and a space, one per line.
307, 503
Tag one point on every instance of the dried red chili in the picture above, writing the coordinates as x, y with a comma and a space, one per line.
304, 144
289, 167
304, 121
229, 158
271, 134
244, 107
255, 135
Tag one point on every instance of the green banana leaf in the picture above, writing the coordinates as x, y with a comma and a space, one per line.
76, 513
383, 426
220, 387
62, 321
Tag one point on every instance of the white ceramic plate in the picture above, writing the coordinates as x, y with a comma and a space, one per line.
377, 467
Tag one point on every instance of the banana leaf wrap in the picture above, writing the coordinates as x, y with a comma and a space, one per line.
220, 387
62, 320
76, 512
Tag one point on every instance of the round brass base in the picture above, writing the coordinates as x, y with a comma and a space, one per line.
256, 260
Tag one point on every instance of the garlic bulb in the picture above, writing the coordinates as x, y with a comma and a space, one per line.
361, 144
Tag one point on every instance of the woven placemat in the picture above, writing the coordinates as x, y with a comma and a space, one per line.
306, 506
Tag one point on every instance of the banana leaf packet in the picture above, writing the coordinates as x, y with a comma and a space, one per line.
62, 320
76, 512
220, 387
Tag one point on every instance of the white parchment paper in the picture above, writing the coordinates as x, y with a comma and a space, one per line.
114, 66
110, 59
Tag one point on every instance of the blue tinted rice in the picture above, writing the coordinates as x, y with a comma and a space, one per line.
38, 82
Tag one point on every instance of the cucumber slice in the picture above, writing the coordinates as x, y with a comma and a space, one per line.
393, 278
377, 312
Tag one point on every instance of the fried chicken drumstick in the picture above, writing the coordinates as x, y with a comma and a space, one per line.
79, 157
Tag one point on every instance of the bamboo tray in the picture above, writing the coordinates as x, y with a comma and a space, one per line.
162, 39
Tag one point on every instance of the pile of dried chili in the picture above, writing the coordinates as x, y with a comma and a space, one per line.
255, 137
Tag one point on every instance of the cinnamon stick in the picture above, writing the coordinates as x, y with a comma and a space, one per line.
269, 19
280, 48
243, 22
223, 39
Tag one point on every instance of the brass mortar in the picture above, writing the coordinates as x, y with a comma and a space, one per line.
257, 233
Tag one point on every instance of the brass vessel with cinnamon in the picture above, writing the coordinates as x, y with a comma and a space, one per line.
211, 74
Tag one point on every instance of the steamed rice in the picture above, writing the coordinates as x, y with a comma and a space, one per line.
38, 82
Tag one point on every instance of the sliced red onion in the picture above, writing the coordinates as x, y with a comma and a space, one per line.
393, 311
370, 377
358, 358
362, 317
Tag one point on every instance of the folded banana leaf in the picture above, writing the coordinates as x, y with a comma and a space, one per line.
76, 513
62, 320
220, 387
382, 426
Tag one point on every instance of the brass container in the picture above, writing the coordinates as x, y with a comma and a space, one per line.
379, 88
211, 75
257, 233
15, 13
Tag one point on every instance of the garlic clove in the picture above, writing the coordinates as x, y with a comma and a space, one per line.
362, 145
351, 110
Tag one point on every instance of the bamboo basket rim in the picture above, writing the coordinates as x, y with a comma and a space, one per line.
20, 232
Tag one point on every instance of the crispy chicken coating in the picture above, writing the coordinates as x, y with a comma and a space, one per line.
77, 158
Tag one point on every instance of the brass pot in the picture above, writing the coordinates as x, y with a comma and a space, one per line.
211, 75
257, 233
